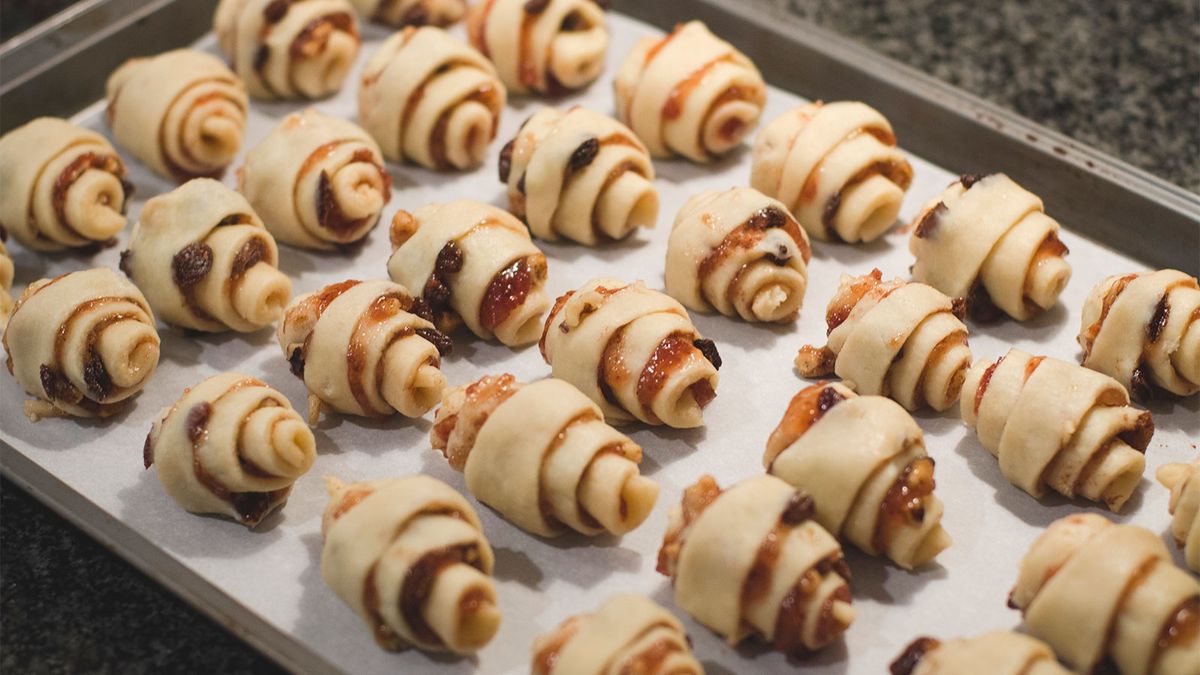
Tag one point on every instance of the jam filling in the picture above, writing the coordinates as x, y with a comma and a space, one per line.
908, 661
670, 355
673, 107
696, 498
329, 211
984, 381
904, 503
929, 222
418, 584
507, 291
789, 626
747, 235
848, 299
377, 313
547, 657
69, 175
808, 191
803, 411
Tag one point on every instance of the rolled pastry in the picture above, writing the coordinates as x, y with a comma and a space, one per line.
428, 98
363, 348
476, 264
689, 93
61, 186
232, 446
627, 634
288, 48
988, 241
181, 113
6, 280
863, 460
81, 344
400, 13
1096, 591
740, 253
542, 456
633, 351
899, 339
317, 181
541, 46
1144, 331
205, 261
1000, 652
579, 174
1058, 425
837, 168
1183, 480
752, 560
408, 555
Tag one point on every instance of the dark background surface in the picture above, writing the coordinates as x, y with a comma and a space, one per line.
1123, 77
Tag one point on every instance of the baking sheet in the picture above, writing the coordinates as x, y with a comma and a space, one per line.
274, 571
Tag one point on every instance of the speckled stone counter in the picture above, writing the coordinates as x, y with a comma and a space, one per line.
1122, 77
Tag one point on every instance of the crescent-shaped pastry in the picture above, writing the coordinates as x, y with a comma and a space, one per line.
61, 186
287, 49
627, 634
689, 93
363, 348
1183, 480
408, 555
899, 339
580, 175
541, 46
863, 461
740, 253
475, 263
181, 113
1144, 331
81, 344
633, 351
542, 456
400, 13
205, 261
6, 281
1096, 591
1000, 652
837, 168
317, 181
430, 99
1058, 425
232, 446
988, 241
751, 559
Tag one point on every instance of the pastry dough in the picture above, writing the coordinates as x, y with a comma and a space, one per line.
181, 113
81, 344
475, 263
899, 339
1095, 591
408, 555
628, 634
430, 99
401, 13
1000, 652
689, 93
361, 350
1058, 425
579, 174
61, 186
205, 261
987, 240
837, 168
1143, 330
1183, 480
863, 460
752, 560
633, 351
288, 49
317, 181
542, 456
541, 46
6, 281
740, 253
231, 445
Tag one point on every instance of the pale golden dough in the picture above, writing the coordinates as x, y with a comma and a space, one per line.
182, 113
580, 175
402, 13
1057, 425
1144, 331
1096, 591
61, 186
81, 344
899, 339
1183, 480
541, 455
232, 446
408, 555
1000, 652
739, 253
428, 98
288, 50
6, 280
689, 93
205, 262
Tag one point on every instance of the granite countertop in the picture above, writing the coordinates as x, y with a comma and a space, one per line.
1122, 77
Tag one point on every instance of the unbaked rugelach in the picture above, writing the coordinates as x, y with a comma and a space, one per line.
999, 652
1183, 480
7, 270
